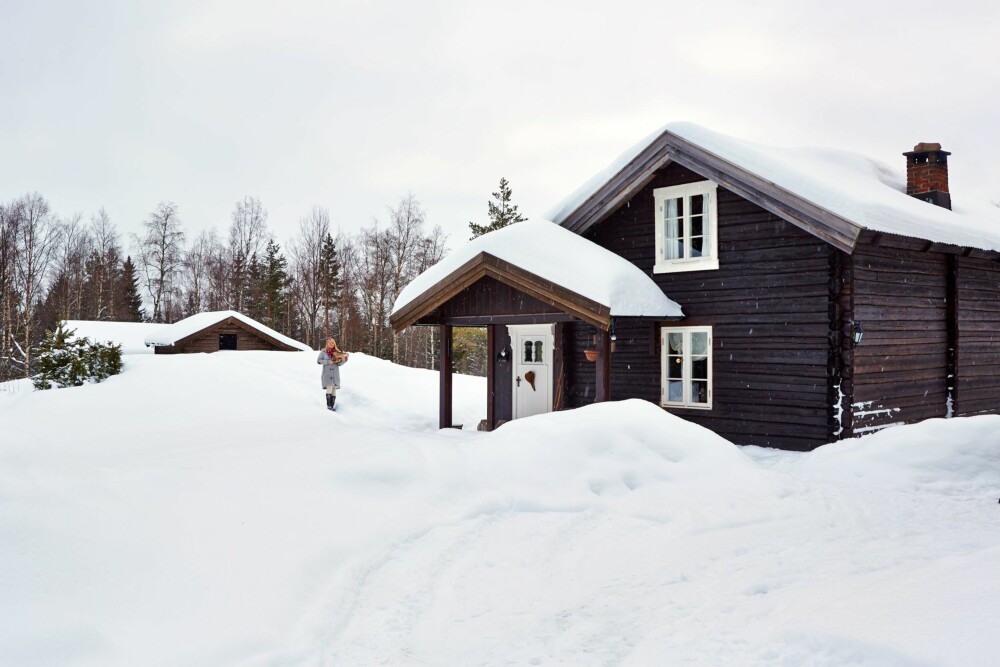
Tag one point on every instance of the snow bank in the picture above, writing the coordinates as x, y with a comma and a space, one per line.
565, 258
865, 191
948, 457
208, 510
130, 335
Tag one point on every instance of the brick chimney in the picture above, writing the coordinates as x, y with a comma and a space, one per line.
927, 174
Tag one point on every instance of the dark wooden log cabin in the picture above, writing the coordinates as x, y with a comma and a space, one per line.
219, 331
818, 327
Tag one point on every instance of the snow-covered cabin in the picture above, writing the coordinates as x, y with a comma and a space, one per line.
219, 330
808, 294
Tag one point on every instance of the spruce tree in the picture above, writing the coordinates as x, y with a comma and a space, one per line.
501, 213
329, 281
129, 301
273, 286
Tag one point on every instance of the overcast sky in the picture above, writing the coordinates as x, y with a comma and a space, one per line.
349, 105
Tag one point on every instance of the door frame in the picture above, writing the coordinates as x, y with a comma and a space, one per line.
547, 330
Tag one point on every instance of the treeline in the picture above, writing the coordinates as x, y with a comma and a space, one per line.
321, 283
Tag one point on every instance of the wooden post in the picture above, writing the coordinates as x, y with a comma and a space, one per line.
603, 391
951, 312
444, 368
491, 375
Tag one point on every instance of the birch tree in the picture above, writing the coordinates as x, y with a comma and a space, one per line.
160, 254
36, 236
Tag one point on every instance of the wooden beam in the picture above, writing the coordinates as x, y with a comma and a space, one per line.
491, 375
444, 368
952, 328
603, 390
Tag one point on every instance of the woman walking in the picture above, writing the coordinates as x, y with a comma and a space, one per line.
331, 358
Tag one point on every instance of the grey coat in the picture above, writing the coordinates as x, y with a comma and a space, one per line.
331, 371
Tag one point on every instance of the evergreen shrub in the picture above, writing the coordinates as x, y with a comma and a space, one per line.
64, 361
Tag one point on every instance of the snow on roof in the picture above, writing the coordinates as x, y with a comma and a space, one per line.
565, 258
130, 335
866, 192
171, 333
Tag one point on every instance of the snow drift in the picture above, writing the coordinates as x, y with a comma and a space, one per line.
208, 510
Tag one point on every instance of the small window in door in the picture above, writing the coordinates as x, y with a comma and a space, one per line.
533, 352
227, 341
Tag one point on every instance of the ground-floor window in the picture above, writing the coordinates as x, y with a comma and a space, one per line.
686, 367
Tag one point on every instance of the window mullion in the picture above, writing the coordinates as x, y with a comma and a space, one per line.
686, 227
686, 368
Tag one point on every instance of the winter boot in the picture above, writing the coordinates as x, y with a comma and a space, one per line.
333, 403
329, 401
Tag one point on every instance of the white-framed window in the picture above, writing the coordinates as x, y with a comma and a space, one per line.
686, 228
686, 367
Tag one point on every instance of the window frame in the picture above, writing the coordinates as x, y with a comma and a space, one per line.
686, 379
710, 259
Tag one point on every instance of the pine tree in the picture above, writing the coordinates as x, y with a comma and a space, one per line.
128, 300
501, 213
329, 281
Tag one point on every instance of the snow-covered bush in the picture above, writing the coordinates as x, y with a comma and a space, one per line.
64, 361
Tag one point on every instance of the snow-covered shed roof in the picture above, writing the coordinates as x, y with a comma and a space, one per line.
130, 335
554, 255
832, 193
172, 333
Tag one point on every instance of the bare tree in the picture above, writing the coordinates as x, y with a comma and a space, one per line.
247, 237
106, 257
198, 265
10, 218
70, 266
36, 236
160, 253
307, 257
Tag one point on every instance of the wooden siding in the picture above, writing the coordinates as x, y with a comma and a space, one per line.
768, 304
978, 350
900, 367
489, 301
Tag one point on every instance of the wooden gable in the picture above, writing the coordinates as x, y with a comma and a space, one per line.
559, 299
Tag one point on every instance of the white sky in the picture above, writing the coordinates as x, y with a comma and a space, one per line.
349, 105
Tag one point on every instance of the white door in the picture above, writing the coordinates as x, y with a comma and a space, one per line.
532, 351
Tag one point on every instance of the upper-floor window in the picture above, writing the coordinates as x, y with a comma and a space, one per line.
686, 228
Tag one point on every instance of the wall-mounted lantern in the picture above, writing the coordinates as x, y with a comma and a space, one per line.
859, 333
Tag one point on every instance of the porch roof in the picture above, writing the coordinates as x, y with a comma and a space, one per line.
547, 262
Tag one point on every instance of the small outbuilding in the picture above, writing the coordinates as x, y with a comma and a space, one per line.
220, 330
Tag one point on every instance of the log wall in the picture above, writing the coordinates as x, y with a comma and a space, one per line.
978, 351
768, 304
900, 368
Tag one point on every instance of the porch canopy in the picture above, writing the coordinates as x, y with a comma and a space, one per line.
533, 272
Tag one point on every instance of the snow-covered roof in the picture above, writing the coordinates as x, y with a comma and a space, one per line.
863, 191
130, 335
562, 257
171, 333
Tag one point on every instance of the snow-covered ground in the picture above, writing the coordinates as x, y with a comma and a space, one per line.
208, 510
